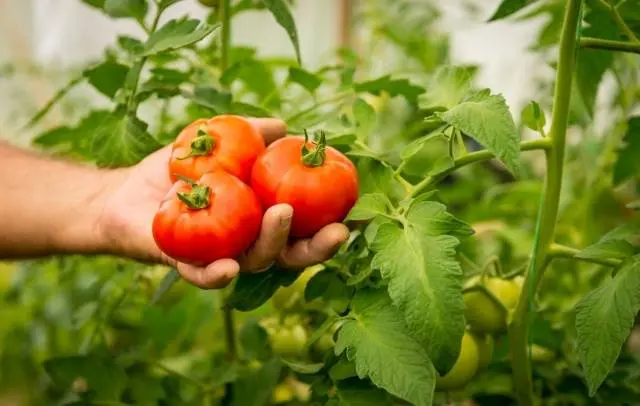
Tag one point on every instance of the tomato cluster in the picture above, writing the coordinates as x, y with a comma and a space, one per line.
225, 178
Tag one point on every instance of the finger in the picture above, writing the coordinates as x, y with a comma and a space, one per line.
216, 275
319, 248
272, 239
270, 128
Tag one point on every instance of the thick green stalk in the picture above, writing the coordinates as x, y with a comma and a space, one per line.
562, 251
519, 325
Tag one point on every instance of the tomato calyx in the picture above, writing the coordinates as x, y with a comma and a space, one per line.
201, 145
313, 157
198, 197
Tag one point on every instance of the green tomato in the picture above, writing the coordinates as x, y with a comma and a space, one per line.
288, 298
465, 367
482, 313
541, 354
289, 342
485, 350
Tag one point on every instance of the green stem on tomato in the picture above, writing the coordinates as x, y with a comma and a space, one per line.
478, 156
519, 326
610, 45
562, 251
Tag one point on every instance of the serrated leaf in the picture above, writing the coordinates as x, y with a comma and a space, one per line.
427, 155
628, 165
617, 243
425, 280
369, 206
394, 87
376, 339
447, 87
107, 77
120, 139
136, 9
365, 117
103, 377
253, 289
305, 79
533, 117
358, 392
212, 98
164, 83
176, 34
509, 7
604, 318
330, 287
131, 45
487, 119
280, 11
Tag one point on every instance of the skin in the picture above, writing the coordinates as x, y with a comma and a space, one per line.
51, 206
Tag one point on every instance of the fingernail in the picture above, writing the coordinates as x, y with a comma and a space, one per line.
285, 221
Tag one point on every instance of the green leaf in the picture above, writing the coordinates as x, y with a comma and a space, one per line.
447, 87
254, 387
533, 117
145, 389
252, 290
358, 392
302, 368
617, 243
591, 64
254, 341
365, 117
164, 83
509, 7
168, 280
283, 16
425, 280
305, 79
211, 98
136, 9
107, 77
130, 45
330, 287
103, 377
628, 165
245, 109
604, 318
369, 206
394, 87
427, 155
487, 119
94, 3
377, 177
164, 4
176, 34
376, 339
120, 139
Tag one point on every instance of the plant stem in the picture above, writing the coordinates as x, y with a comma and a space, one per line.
562, 251
335, 98
225, 35
610, 45
519, 326
478, 156
622, 24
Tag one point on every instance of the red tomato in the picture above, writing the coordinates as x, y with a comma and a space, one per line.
319, 182
223, 142
217, 217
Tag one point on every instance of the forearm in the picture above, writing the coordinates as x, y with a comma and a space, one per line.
49, 206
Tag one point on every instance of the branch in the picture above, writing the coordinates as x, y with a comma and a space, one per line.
562, 251
478, 156
610, 45
618, 19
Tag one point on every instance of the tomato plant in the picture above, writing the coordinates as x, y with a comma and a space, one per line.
200, 222
493, 253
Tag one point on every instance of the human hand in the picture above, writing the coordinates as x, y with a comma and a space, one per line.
134, 194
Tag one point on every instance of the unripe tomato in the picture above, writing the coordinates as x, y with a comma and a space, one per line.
465, 367
482, 313
541, 354
282, 393
318, 181
485, 346
289, 342
226, 142
217, 217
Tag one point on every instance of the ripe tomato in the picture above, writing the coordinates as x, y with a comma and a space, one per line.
483, 314
223, 142
319, 182
465, 367
217, 217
